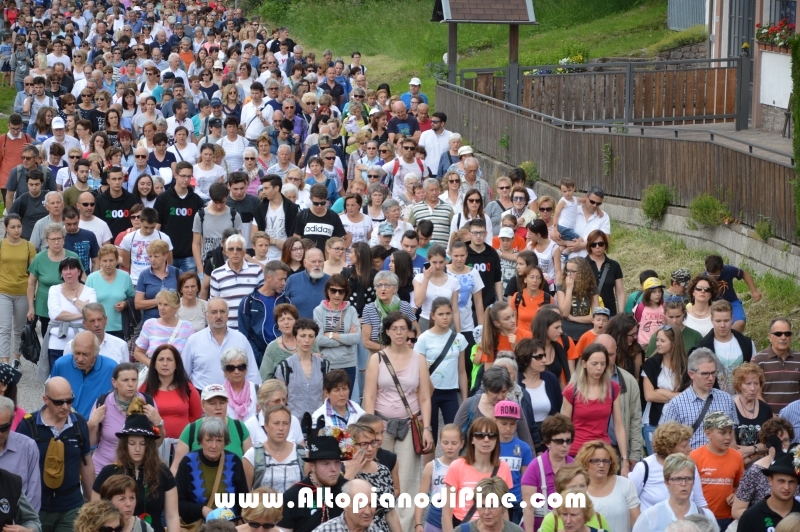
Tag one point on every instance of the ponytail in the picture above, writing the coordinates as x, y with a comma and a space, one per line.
491, 333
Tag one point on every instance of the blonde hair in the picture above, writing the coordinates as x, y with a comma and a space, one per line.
108, 249
261, 513
259, 235
667, 436
268, 388
567, 474
588, 509
93, 515
157, 247
589, 448
170, 297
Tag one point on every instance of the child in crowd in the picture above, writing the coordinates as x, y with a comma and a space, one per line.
425, 232
636, 297
649, 313
450, 442
504, 244
513, 451
517, 243
600, 317
5, 59
725, 274
721, 468
566, 214
260, 241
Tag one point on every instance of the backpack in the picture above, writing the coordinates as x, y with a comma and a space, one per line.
236, 422
39, 438
390, 177
634, 299
287, 371
29, 345
260, 465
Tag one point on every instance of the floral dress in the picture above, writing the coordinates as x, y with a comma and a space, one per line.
383, 483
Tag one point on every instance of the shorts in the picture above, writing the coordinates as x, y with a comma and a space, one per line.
567, 233
738, 311
6, 66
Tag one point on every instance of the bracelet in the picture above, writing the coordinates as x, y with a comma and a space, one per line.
624, 458
418, 524
427, 428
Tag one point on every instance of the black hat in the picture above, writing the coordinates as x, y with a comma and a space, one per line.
323, 448
8, 375
782, 465
138, 425
215, 122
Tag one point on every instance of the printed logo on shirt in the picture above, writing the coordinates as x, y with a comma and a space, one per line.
318, 229
484, 267
514, 462
116, 213
181, 211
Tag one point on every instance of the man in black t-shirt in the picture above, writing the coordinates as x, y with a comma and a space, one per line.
485, 261
319, 223
326, 466
764, 516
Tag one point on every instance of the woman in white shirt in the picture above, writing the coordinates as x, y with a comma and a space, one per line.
282, 468
65, 302
206, 171
471, 208
434, 282
183, 149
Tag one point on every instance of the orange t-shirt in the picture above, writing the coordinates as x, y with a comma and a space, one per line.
719, 476
517, 244
528, 308
460, 476
504, 344
575, 351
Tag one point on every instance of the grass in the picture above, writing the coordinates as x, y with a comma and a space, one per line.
604, 28
693, 35
640, 249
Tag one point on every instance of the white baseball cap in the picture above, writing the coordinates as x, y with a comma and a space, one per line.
58, 123
506, 232
415, 81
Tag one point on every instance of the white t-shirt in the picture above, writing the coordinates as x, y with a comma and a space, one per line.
136, 244
469, 283
403, 169
446, 290
445, 376
206, 178
99, 228
730, 357
276, 229
569, 214
277, 475
539, 401
189, 154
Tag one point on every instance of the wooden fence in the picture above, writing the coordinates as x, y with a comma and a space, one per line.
752, 186
699, 94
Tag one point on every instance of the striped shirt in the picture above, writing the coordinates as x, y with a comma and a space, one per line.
792, 414
440, 216
234, 286
686, 407
782, 377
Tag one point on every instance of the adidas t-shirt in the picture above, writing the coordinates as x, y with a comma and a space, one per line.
319, 228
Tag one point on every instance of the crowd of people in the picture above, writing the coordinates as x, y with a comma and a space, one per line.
254, 273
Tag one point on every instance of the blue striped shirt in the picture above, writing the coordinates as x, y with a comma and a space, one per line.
686, 407
791, 413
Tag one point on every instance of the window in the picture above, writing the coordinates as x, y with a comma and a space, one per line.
785, 9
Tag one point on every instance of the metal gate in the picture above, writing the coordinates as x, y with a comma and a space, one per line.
683, 14
741, 26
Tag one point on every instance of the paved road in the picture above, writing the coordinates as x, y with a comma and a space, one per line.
29, 390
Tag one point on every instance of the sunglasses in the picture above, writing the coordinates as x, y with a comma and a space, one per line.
6, 427
597, 203
473, 200
538, 356
384, 151
265, 526
140, 156
412, 340
779, 334
87, 204
503, 188
562, 441
484, 435
319, 203
230, 368
249, 158
119, 528
702, 289
337, 290
330, 158
61, 402
597, 245
545, 209
135, 217
453, 181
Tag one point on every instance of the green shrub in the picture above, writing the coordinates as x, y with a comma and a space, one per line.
693, 35
764, 228
655, 200
531, 172
707, 211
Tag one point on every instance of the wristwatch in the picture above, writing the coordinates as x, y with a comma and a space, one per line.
74, 299
330, 335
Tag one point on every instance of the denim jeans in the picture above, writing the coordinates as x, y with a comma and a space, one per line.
647, 432
185, 264
447, 402
351, 372
53, 355
361, 364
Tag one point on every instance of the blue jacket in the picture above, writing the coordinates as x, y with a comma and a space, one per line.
553, 390
252, 313
304, 293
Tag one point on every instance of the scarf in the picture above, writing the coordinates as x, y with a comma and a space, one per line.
240, 401
384, 309
123, 405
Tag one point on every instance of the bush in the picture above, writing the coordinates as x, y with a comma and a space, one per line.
531, 172
655, 200
764, 228
707, 211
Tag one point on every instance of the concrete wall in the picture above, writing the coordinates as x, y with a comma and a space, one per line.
738, 242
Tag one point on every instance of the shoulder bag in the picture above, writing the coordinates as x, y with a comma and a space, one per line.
703, 412
416, 427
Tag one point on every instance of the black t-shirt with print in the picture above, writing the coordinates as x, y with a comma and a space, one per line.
319, 228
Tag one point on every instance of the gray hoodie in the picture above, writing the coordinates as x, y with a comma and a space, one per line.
342, 353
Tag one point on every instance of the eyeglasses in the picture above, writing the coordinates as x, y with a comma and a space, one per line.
237, 250
140, 156
702, 289
135, 216
362, 445
319, 203
87, 204
706, 374
6, 427
597, 203
265, 526
474, 200
384, 286
562, 441
230, 368
545, 209
781, 334
518, 198
27, 157
484, 435
478, 233
600, 461
597, 245
683, 481
61, 402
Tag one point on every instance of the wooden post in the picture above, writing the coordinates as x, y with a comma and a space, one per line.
452, 52
512, 75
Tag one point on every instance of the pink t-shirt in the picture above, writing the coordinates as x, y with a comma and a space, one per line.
461, 475
388, 401
649, 320
590, 419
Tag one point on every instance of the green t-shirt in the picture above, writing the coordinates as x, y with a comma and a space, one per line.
690, 339
548, 523
46, 272
235, 446
634, 299
109, 294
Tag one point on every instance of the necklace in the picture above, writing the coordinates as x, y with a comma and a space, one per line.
286, 347
752, 411
196, 310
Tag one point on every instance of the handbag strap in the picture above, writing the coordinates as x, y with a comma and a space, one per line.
543, 478
703, 412
174, 333
474, 507
602, 278
389, 366
220, 467
443, 354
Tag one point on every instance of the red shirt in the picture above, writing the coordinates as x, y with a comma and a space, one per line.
590, 419
176, 411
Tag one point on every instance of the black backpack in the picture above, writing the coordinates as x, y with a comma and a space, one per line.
102, 399
29, 345
287, 370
